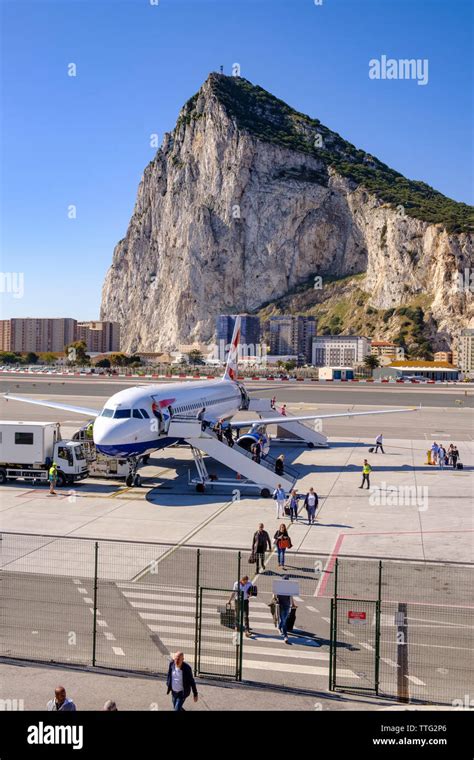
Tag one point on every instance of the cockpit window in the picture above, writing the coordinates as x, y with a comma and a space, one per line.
121, 414
145, 414
107, 413
137, 414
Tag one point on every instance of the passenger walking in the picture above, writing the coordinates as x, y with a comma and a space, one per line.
366, 470
283, 410
201, 418
60, 703
218, 430
379, 444
434, 452
279, 464
292, 503
53, 478
441, 456
311, 504
261, 541
280, 498
228, 436
180, 681
454, 456
256, 451
282, 542
285, 605
243, 586
273, 402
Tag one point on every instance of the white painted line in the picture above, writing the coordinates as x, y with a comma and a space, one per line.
348, 633
118, 651
389, 662
283, 668
182, 619
208, 612
82, 590
415, 680
102, 623
325, 619
87, 600
298, 599
78, 583
252, 647
312, 609
109, 636
189, 601
366, 646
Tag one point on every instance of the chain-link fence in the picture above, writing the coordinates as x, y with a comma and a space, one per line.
408, 627
400, 629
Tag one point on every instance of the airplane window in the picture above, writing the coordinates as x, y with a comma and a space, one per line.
136, 413
107, 413
121, 414
145, 414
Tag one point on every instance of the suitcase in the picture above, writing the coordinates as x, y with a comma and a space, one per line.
371, 451
459, 466
228, 617
290, 623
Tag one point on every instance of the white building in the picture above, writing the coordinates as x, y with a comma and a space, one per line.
465, 352
339, 350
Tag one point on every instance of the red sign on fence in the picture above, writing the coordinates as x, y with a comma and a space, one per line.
359, 618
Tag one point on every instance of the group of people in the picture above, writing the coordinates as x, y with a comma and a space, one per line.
62, 703
223, 430
281, 604
288, 507
444, 458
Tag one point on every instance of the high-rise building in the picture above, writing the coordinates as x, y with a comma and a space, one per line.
339, 350
249, 332
465, 350
99, 337
5, 334
41, 335
292, 335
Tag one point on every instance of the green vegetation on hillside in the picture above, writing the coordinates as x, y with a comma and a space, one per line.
341, 308
270, 119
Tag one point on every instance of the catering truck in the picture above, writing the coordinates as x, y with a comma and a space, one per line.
28, 449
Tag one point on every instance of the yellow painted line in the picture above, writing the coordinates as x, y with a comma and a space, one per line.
120, 491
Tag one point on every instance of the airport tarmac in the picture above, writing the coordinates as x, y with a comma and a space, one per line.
429, 520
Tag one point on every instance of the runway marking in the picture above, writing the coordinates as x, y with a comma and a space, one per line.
88, 601
102, 623
82, 590
311, 609
389, 662
415, 680
326, 619
109, 636
118, 651
186, 538
366, 646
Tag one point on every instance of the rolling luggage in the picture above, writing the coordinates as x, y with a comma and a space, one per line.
459, 466
228, 617
290, 624
371, 451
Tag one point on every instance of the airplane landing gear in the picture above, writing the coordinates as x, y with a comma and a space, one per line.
133, 479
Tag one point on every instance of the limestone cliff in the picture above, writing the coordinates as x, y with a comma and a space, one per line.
247, 199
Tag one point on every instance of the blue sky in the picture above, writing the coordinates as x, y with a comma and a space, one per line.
85, 140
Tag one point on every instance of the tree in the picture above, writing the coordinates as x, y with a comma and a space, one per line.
372, 361
76, 353
290, 365
118, 360
47, 358
8, 357
31, 358
195, 357
103, 363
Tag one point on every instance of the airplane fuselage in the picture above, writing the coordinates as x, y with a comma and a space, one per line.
135, 421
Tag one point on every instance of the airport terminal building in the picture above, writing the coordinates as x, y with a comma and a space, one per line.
429, 370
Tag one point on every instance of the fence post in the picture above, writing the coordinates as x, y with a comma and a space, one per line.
94, 630
238, 675
378, 612
331, 645
197, 631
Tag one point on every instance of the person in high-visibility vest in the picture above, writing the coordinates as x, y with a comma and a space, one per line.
52, 477
366, 470
90, 430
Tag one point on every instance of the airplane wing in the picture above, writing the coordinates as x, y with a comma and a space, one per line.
54, 405
291, 418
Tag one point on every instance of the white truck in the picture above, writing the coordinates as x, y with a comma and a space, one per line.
28, 449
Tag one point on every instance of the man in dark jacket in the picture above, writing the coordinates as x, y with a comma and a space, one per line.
261, 540
180, 681
311, 505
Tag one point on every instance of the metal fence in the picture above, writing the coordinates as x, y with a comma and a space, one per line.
399, 629
406, 629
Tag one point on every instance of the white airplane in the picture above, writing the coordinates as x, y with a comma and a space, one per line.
134, 422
